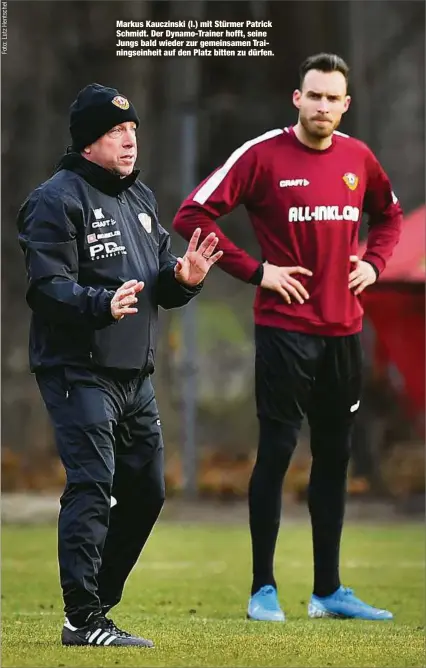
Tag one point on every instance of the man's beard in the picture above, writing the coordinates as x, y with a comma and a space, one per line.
316, 131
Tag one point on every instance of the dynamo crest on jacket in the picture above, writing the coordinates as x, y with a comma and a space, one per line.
145, 220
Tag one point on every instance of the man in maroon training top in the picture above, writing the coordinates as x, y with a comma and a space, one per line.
305, 188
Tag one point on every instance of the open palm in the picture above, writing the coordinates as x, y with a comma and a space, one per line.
193, 267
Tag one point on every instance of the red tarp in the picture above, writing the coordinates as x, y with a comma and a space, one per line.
395, 306
407, 264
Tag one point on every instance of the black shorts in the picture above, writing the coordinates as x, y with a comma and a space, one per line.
301, 374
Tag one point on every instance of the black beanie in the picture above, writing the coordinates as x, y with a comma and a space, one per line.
96, 110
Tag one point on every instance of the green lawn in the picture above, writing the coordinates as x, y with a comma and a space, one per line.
189, 593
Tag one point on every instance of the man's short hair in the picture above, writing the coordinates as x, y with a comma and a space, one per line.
324, 62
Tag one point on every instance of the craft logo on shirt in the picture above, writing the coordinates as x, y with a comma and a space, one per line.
351, 180
101, 220
293, 182
121, 102
146, 221
104, 223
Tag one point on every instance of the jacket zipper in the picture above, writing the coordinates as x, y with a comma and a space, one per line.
121, 201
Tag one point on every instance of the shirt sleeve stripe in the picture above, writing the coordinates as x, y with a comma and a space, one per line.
216, 179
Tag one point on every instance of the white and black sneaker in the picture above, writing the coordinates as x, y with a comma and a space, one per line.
100, 632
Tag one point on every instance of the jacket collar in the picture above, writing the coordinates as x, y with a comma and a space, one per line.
97, 176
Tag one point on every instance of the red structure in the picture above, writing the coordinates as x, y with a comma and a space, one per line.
395, 307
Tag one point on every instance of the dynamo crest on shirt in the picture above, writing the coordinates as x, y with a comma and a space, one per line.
351, 180
121, 102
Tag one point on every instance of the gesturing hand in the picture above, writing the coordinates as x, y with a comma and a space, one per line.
124, 298
281, 280
193, 267
362, 276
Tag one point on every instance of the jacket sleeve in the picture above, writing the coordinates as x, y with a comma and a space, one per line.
226, 188
385, 216
48, 238
171, 293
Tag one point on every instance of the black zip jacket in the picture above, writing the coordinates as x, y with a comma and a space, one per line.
84, 232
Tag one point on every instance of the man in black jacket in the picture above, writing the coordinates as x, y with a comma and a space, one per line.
98, 266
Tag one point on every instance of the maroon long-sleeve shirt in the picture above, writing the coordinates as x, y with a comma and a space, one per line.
305, 206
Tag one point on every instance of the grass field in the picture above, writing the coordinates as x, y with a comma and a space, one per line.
189, 593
